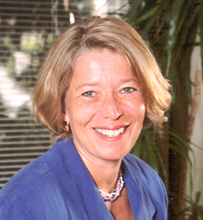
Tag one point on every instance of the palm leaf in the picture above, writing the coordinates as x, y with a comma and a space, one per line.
201, 33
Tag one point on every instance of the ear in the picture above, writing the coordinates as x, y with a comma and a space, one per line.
65, 117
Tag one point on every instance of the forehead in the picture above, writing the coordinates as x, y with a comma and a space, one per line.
102, 64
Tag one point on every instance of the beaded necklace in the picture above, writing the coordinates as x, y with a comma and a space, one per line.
110, 197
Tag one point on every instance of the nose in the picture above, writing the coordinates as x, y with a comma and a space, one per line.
111, 107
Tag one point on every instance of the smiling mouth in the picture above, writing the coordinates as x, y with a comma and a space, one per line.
110, 133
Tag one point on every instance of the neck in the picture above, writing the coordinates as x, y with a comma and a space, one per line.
104, 173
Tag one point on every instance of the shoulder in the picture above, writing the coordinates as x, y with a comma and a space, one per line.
25, 191
15, 207
144, 181
141, 168
36, 173
25, 177
146, 176
18, 197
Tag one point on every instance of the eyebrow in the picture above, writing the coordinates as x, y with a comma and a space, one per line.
86, 85
129, 80
97, 83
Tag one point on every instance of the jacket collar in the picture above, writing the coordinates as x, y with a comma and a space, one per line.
76, 183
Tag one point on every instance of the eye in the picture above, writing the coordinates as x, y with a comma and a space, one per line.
88, 94
129, 90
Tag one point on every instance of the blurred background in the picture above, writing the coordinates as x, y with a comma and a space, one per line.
174, 31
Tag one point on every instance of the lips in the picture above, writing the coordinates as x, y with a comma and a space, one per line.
110, 133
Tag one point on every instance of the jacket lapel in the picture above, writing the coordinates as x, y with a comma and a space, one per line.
86, 202
141, 204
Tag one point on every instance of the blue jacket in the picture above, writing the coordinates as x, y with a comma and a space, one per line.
58, 186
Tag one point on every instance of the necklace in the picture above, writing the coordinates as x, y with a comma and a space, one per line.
110, 197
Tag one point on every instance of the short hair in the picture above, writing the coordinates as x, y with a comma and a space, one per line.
89, 34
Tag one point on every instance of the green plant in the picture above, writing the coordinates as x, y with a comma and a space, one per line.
172, 29
193, 210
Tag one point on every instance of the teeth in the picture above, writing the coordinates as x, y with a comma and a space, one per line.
110, 133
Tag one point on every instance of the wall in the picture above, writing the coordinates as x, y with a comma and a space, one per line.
197, 137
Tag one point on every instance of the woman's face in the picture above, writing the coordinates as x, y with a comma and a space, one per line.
104, 106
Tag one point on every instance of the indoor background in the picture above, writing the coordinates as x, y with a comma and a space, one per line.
27, 29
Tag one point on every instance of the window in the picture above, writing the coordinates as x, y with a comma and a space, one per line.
27, 29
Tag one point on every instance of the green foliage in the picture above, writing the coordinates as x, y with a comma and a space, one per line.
7, 42
193, 210
148, 145
172, 29
146, 148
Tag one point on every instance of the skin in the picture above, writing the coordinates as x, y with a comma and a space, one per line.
104, 95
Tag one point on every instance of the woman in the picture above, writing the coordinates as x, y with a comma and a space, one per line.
99, 85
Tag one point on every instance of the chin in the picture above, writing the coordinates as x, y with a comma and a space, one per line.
115, 156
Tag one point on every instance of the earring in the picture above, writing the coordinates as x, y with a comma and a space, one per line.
66, 126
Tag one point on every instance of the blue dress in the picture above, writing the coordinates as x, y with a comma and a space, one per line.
58, 186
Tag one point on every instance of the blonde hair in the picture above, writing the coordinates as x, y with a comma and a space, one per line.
87, 34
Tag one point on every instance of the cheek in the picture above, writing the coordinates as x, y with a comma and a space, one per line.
81, 113
142, 109
136, 108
